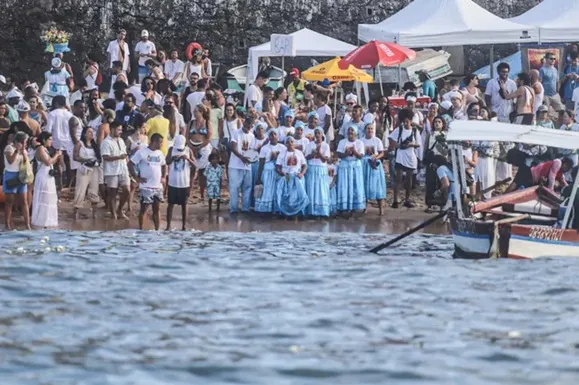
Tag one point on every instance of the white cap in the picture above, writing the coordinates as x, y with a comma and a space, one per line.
2, 79
23, 106
56, 63
455, 95
351, 98
144, 33
179, 142
14, 93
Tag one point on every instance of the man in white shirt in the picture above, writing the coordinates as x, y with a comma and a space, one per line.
57, 125
116, 174
145, 50
150, 162
196, 98
239, 172
406, 140
118, 50
493, 98
174, 69
254, 94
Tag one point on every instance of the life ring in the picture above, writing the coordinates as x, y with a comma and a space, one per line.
190, 48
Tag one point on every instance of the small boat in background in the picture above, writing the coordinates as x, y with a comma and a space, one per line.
526, 224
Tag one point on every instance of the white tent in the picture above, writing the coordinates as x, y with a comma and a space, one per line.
433, 23
307, 43
557, 20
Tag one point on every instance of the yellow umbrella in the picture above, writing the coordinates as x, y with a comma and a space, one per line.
331, 70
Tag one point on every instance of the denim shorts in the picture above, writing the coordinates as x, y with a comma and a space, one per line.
151, 195
21, 189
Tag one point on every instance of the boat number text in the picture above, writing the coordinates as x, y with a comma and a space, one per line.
546, 233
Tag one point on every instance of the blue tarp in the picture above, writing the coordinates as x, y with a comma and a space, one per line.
515, 61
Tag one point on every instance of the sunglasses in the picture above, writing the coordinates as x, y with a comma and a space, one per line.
349, 104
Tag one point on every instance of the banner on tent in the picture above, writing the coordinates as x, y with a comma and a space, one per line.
282, 45
533, 56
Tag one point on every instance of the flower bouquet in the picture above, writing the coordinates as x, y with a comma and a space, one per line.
56, 40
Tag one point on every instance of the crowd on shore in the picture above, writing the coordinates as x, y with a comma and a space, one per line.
282, 152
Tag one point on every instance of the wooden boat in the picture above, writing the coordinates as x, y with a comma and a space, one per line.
525, 224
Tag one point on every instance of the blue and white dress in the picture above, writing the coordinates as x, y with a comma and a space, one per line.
291, 196
317, 186
351, 195
256, 146
269, 178
374, 175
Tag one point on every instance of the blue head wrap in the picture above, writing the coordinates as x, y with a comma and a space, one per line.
320, 130
300, 124
313, 114
354, 127
289, 113
272, 130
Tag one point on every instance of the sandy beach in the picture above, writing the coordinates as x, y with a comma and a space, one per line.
393, 221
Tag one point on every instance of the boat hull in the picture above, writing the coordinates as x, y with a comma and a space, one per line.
472, 240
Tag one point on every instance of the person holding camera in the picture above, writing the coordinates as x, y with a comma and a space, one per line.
44, 199
15, 155
116, 174
87, 154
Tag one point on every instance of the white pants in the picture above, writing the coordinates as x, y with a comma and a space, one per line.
485, 174
87, 186
503, 170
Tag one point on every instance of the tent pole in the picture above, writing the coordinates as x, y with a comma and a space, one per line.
283, 71
399, 80
492, 52
379, 78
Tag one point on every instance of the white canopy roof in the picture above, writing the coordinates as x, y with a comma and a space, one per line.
431, 23
558, 20
306, 42
462, 130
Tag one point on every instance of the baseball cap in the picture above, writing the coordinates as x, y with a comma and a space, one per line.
543, 108
56, 62
295, 72
446, 105
14, 93
23, 106
144, 33
179, 142
2, 79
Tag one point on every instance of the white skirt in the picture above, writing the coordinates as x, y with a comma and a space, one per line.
504, 170
44, 200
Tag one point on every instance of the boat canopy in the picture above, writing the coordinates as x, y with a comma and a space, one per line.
473, 130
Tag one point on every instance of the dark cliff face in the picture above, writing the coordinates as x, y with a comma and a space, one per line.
228, 27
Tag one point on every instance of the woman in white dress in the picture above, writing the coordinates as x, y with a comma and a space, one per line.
44, 199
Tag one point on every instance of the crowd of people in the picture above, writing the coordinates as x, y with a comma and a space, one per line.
281, 152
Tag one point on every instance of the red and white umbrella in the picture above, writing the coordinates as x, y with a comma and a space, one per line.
375, 53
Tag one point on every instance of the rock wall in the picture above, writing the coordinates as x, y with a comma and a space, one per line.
228, 27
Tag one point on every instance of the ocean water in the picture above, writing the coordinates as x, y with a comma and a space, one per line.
278, 308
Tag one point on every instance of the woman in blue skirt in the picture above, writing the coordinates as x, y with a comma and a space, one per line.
291, 192
317, 186
351, 196
333, 164
267, 176
374, 176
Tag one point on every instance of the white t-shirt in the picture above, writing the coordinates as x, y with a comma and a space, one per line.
150, 164
14, 167
372, 146
575, 99
243, 141
114, 147
312, 148
254, 94
499, 105
145, 48
57, 83
114, 50
256, 144
309, 133
194, 99
324, 111
291, 162
172, 68
303, 142
268, 149
345, 143
406, 157
58, 126
284, 132
180, 170
230, 127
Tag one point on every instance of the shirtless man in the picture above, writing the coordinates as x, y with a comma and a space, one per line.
538, 88
525, 96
